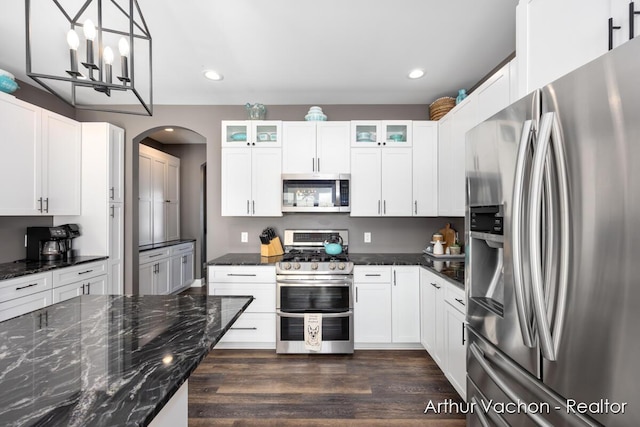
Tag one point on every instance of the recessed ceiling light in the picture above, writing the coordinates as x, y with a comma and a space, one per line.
168, 129
416, 74
213, 75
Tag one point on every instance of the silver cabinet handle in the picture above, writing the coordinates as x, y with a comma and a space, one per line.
46, 201
318, 164
83, 289
248, 211
384, 204
241, 275
460, 301
153, 256
40, 204
26, 286
85, 272
394, 278
378, 207
535, 244
517, 218
89, 288
435, 286
356, 294
313, 164
112, 193
113, 214
253, 207
245, 329
415, 209
372, 275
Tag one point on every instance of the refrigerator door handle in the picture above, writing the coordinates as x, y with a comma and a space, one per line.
517, 216
481, 358
535, 244
479, 412
565, 235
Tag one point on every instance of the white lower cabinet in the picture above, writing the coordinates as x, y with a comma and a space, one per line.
94, 286
166, 270
443, 326
372, 306
456, 340
387, 306
25, 304
182, 266
256, 327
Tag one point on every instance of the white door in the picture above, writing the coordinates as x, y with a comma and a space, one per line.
116, 164
62, 161
431, 300
236, 182
187, 269
456, 349
299, 147
372, 313
159, 193
145, 278
266, 190
25, 304
116, 248
162, 279
97, 286
396, 133
425, 168
333, 147
366, 180
173, 200
20, 135
405, 297
176, 272
494, 94
65, 292
145, 200
397, 182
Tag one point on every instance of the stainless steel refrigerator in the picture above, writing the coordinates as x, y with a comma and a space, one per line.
553, 232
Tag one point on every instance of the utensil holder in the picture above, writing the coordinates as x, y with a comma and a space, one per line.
273, 248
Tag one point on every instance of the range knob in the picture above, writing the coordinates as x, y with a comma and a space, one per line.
332, 266
314, 265
286, 266
341, 266
296, 266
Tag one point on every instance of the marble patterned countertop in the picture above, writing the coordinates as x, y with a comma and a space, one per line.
10, 270
160, 245
451, 269
105, 360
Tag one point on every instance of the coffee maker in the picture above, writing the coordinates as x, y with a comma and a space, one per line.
51, 243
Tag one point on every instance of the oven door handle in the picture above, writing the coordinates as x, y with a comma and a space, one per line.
307, 282
341, 314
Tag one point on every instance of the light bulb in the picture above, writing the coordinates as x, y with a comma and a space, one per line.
123, 47
73, 40
108, 55
89, 29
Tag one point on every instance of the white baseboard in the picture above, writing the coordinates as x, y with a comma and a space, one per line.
197, 283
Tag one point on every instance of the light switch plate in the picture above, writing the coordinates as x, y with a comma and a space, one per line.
367, 237
244, 237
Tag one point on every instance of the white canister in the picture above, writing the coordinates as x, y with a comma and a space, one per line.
438, 249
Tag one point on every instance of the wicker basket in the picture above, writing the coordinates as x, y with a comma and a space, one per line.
440, 107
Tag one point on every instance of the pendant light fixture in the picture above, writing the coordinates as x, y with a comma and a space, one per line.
86, 79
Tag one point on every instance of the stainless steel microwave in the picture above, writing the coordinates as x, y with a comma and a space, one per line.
315, 193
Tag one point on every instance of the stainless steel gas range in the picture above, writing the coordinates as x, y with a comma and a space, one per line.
309, 281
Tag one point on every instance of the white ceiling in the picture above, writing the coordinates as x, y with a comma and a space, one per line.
303, 52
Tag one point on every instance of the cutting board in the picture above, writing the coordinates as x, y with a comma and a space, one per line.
449, 234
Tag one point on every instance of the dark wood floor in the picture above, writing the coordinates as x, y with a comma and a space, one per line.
368, 388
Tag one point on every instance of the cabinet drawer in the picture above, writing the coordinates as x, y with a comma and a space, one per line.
367, 274
455, 296
264, 295
181, 249
25, 285
150, 256
76, 273
25, 304
242, 274
252, 327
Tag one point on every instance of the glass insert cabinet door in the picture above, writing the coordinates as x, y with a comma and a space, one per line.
251, 133
391, 133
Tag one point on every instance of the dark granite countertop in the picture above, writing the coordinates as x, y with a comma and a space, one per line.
106, 360
160, 245
452, 269
10, 270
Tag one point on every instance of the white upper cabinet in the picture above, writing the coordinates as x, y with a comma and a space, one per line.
494, 94
556, 37
42, 172
256, 133
451, 148
425, 168
381, 181
116, 164
315, 147
20, 172
251, 182
393, 133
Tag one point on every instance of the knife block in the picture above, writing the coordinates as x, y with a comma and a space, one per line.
273, 248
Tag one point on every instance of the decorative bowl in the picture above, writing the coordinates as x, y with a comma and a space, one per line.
7, 84
396, 137
315, 117
239, 136
6, 73
364, 137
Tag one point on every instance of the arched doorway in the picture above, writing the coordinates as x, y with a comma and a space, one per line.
190, 147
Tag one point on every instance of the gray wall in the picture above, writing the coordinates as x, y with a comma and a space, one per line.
12, 231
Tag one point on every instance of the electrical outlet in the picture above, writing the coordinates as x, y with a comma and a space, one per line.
367, 237
244, 237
